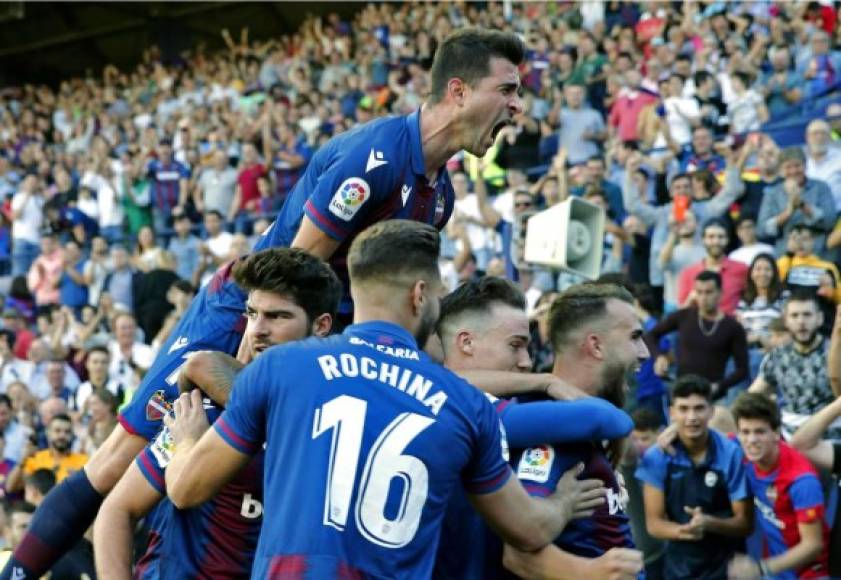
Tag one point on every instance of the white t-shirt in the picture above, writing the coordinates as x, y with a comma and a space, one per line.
677, 111
480, 237
28, 226
746, 254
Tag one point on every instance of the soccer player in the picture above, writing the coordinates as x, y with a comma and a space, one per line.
292, 295
788, 498
483, 325
392, 167
365, 436
696, 499
598, 342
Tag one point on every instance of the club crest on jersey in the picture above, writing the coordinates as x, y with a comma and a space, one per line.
163, 447
536, 463
157, 406
351, 195
771, 494
711, 478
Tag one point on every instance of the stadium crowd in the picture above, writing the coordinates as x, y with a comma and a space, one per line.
123, 194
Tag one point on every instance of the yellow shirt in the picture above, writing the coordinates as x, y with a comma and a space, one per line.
807, 271
45, 460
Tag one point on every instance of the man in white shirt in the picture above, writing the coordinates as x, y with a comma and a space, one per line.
823, 162
27, 219
216, 248
750, 247
130, 359
682, 113
33, 372
482, 239
216, 186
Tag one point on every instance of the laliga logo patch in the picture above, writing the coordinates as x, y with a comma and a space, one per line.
352, 193
711, 478
157, 406
536, 463
163, 448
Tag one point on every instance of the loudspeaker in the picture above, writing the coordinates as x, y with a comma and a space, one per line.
568, 236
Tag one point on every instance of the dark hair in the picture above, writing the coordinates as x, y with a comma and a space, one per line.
5, 400
184, 286
776, 288
108, 399
688, 385
42, 480
215, 212
647, 300
9, 335
678, 76
21, 507
466, 54
61, 417
800, 226
702, 76
743, 77
98, 348
619, 279
756, 406
393, 248
478, 296
803, 295
580, 304
709, 276
19, 289
714, 223
307, 280
645, 419
680, 176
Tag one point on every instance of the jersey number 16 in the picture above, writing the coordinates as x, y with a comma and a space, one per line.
345, 417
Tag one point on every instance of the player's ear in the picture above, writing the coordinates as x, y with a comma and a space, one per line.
594, 345
464, 342
418, 297
456, 88
322, 325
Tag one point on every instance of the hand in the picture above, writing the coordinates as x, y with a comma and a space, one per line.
698, 524
666, 438
661, 366
189, 422
615, 564
792, 188
743, 567
560, 390
633, 162
581, 496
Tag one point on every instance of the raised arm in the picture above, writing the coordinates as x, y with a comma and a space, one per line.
631, 195
212, 372
808, 439
509, 383
489, 215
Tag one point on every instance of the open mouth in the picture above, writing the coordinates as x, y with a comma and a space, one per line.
499, 127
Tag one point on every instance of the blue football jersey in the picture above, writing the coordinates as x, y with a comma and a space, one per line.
372, 173
365, 440
216, 539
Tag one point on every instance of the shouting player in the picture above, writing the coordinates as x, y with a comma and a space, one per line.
392, 167
291, 295
358, 480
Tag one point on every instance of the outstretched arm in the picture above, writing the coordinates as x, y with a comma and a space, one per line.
212, 372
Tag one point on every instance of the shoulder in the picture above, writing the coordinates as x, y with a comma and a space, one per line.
728, 450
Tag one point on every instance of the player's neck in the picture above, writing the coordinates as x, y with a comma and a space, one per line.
371, 313
577, 373
696, 448
767, 464
436, 138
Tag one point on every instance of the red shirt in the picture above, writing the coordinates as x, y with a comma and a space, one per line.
23, 338
626, 111
247, 180
734, 276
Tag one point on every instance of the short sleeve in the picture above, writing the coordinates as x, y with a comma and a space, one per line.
767, 367
737, 479
807, 498
357, 184
154, 458
652, 468
487, 470
242, 424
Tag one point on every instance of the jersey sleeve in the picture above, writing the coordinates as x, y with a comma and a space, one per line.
737, 478
242, 425
807, 498
357, 184
487, 471
530, 424
652, 468
152, 465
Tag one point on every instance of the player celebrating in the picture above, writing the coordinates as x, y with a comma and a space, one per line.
788, 497
357, 483
391, 167
291, 295
483, 325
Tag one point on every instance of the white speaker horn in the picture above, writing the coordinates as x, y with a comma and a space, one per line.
567, 236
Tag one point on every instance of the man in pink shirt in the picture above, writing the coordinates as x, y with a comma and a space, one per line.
733, 274
626, 110
45, 272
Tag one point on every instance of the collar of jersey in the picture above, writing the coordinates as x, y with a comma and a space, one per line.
709, 459
375, 330
413, 125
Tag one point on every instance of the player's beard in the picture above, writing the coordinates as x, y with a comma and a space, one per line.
61, 445
810, 339
615, 383
426, 326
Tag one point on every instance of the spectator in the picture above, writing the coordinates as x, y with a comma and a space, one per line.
46, 271
594, 176
699, 153
150, 290
682, 112
707, 339
697, 498
624, 114
57, 457
168, 185
795, 200
179, 295
185, 247
146, 251
14, 434
797, 371
768, 169
466, 209
55, 380
216, 247
246, 193
119, 283
733, 274
681, 250
102, 418
19, 517
781, 86
216, 185
20, 336
37, 484
96, 269
712, 110
27, 213
288, 158
786, 488
582, 128
749, 245
761, 303
97, 363
823, 162
73, 288
130, 359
